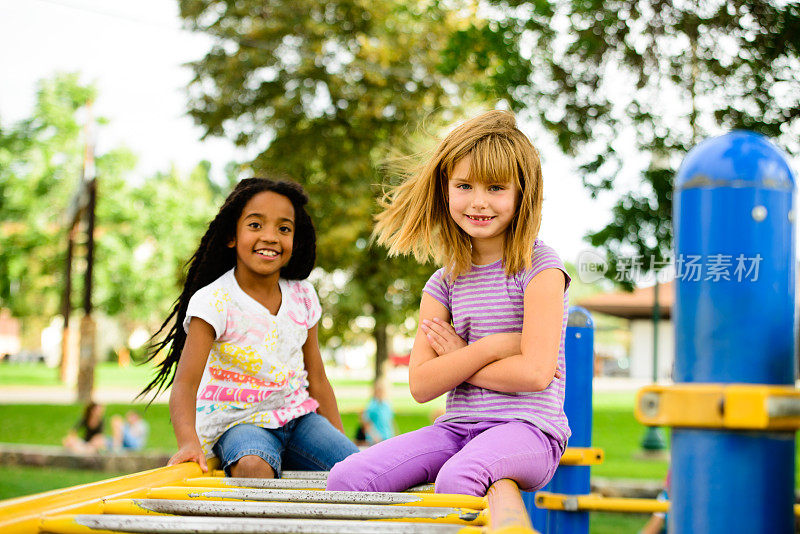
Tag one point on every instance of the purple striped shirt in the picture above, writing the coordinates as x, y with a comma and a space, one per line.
485, 301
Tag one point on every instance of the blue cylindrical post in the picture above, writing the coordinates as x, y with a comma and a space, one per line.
734, 323
572, 479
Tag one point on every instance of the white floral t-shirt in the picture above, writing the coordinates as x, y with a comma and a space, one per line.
255, 372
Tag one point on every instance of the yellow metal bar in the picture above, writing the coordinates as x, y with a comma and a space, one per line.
22, 515
212, 493
69, 525
582, 456
598, 503
734, 406
127, 507
507, 514
83, 524
297, 510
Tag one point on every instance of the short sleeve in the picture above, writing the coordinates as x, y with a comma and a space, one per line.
544, 257
211, 305
311, 302
438, 288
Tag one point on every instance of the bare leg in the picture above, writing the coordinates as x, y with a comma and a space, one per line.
96, 444
252, 466
73, 443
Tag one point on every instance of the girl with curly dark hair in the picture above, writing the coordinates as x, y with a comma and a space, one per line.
242, 355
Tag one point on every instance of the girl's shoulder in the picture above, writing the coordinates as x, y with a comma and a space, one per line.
303, 297
221, 288
544, 254
299, 286
543, 257
439, 276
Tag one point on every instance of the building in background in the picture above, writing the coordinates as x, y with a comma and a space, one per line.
10, 343
637, 308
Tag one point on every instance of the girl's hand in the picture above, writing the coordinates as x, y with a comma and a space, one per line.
442, 336
190, 453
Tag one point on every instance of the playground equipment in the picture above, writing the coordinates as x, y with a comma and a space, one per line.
572, 479
733, 409
179, 499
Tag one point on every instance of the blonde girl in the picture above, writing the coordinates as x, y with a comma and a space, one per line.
492, 320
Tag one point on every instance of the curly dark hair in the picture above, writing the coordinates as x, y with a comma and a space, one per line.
213, 258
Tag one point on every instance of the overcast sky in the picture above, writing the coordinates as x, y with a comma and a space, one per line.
134, 51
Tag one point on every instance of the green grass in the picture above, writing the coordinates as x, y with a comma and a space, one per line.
608, 523
47, 424
107, 374
616, 431
23, 480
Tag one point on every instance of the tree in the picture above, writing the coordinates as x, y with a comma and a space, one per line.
144, 235
652, 76
40, 166
325, 91
149, 233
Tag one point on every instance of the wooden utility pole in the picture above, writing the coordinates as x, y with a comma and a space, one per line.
69, 362
87, 357
81, 208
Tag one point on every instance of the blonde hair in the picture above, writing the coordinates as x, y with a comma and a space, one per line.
416, 218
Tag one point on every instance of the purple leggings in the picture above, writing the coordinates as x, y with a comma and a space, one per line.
463, 458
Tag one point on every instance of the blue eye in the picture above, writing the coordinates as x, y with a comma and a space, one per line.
464, 186
496, 188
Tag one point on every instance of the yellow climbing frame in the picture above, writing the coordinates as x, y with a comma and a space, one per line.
182, 499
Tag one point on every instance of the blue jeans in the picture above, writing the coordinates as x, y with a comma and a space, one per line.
308, 443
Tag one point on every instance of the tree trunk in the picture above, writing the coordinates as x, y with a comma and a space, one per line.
86, 361
381, 348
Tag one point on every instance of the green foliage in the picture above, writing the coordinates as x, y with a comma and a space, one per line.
326, 92
650, 75
144, 233
40, 162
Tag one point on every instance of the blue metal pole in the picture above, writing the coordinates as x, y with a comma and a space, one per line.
734, 323
572, 479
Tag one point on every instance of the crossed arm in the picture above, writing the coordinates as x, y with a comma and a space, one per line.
511, 362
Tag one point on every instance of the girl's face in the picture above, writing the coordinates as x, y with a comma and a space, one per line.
96, 413
264, 235
483, 211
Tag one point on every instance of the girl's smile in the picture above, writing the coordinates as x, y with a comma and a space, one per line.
480, 220
268, 253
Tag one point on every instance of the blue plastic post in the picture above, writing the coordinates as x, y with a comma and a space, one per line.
734, 323
572, 479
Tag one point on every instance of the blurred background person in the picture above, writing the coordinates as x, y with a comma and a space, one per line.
87, 437
377, 420
130, 433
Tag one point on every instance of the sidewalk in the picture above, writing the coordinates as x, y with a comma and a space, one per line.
118, 395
